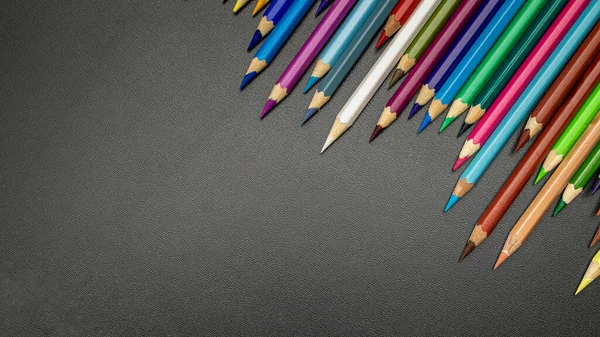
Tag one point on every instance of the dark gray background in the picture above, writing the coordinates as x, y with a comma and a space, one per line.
142, 196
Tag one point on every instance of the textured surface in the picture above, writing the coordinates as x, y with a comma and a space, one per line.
140, 195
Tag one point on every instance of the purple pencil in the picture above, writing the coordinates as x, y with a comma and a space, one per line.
425, 65
453, 56
317, 39
323, 5
596, 185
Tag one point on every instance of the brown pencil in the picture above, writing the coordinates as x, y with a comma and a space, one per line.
561, 86
533, 158
596, 238
551, 190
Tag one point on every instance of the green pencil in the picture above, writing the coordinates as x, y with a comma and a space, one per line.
580, 179
513, 61
424, 38
571, 134
492, 61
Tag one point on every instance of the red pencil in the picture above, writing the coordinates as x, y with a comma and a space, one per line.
425, 65
397, 19
520, 80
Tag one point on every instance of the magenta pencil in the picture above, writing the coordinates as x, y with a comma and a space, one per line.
520, 80
316, 41
426, 63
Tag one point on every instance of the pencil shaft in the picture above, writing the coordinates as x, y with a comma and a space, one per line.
557, 182
461, 46
531, 95
425, 65
523, 77
382, 67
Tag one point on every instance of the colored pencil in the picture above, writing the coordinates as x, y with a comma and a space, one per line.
487, 68
561, 87
580, 179
323, 6
356, 47
266, 53
260, 4
340, 40
456, 53
239, 4
471, 60
272, 16
300, 63
552, 189
596, 238
596, 185
519, 111
425, 65
401, 12
390, 56
520, 80
592, 273
512, 63
424, 38
532, 159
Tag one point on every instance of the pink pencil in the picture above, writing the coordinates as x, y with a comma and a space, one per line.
317, 39
520, 80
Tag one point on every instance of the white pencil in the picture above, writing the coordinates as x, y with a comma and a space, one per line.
388, 59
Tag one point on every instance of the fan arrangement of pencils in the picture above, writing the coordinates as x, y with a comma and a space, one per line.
501, 63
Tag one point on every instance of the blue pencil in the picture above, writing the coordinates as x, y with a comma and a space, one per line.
456, 53
527, 101
323, 6
469, 63
276, 39
269, 20
348, 59
340, 40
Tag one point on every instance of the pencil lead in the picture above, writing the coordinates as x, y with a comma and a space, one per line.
328, 143
464, 128
322, 7
584, 283
376, 132
446, 123
559, 207
311, 81
596, 238
256, 38
309, 113
540, 175
426, 121
451, 202
596, 186
398, 73
414, 110
268, 107
459, 162
247, 79
469, 246
382, 38
503, 256
523, 139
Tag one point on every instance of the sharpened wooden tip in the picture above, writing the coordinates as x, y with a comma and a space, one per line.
457, 108
337, 129
532, 126
318, 100
391, 26
265, 26
475, 113
469, 149
478, 235
406, 63
596, 238
278, 93
387, 117
425, 95
591, 274
256, 66
462, 187
436, 108
321, 69
511, 245
551, 161
570, 193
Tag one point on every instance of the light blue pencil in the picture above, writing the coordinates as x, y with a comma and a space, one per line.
469, 63
349, 57
340, 40
276, 39
527, 101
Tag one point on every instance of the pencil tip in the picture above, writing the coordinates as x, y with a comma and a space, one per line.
247, 79
382, 38
451, 201
596, 186
328, 142
414, 110
309, 113
469, 246
523, 139
268, 107
322, 7
376, 132
459, 162
425, 122
596, 238
464, 128
584, 283
540, 175
503, 256
238, 5
446, 123
311, 81
398, 73
256, 38
559, 207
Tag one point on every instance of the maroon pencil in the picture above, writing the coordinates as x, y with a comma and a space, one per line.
316, 41
426, 64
